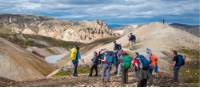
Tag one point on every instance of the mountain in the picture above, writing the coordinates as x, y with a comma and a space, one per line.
19, 65
193, 29
78, 31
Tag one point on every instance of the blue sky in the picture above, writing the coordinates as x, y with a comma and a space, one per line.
110, 11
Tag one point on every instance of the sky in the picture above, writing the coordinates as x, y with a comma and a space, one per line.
111, 11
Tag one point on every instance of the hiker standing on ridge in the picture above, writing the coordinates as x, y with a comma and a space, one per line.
95, 62
178, 61
117, 48
125, 66
75, 56
132, 40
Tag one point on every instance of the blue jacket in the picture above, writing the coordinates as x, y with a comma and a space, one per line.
78, 55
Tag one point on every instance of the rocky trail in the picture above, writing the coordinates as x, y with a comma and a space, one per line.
84, 81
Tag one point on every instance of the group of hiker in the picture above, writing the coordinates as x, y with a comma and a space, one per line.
121, 60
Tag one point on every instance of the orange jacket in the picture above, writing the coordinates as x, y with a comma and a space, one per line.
154, 60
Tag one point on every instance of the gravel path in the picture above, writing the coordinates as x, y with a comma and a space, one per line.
85, 81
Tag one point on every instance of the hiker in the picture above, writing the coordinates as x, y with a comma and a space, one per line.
125, 66
94, 64
75, 56
120, 63
107, 63
136, 65
144, 65
153, 65
117, 48
132, 40
178, 61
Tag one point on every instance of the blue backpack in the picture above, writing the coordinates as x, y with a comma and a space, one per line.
144, 62
110, 57
181, 60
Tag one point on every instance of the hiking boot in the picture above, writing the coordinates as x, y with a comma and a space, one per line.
175, 81
76, 75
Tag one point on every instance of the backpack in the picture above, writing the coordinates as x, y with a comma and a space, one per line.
181, 60
118, 47
127, 61
109, 57
136, 63
73, 53
132, 37
144, 63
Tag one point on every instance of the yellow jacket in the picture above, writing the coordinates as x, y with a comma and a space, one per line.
73, 53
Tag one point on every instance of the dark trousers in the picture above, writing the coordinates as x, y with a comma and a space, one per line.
143, 81
116, 68
92, 68
75, 66
176, 71
150, 74
125, 75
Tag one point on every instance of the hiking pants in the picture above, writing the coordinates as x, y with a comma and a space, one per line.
151, 74
131, 43
74, 68
119, 72
156, 68
143, 81
125, 75
116, 67
176, 71
94, 66
106, 72
137, 74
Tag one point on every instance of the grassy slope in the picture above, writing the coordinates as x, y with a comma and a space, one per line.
29, 41
190, 72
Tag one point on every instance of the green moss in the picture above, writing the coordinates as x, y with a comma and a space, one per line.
191, 52
63, 73
85, 69
29, 41
81, 70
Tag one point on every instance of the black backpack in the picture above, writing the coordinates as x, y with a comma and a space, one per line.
181, 60
118, 47
132, 38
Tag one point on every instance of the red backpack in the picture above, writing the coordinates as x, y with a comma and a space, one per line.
135, 62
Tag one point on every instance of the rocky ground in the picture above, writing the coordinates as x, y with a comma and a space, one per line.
85, 81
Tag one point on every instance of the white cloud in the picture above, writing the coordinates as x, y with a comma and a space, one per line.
28, 5
102, 9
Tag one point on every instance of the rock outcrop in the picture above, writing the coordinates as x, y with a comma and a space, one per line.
79, 31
